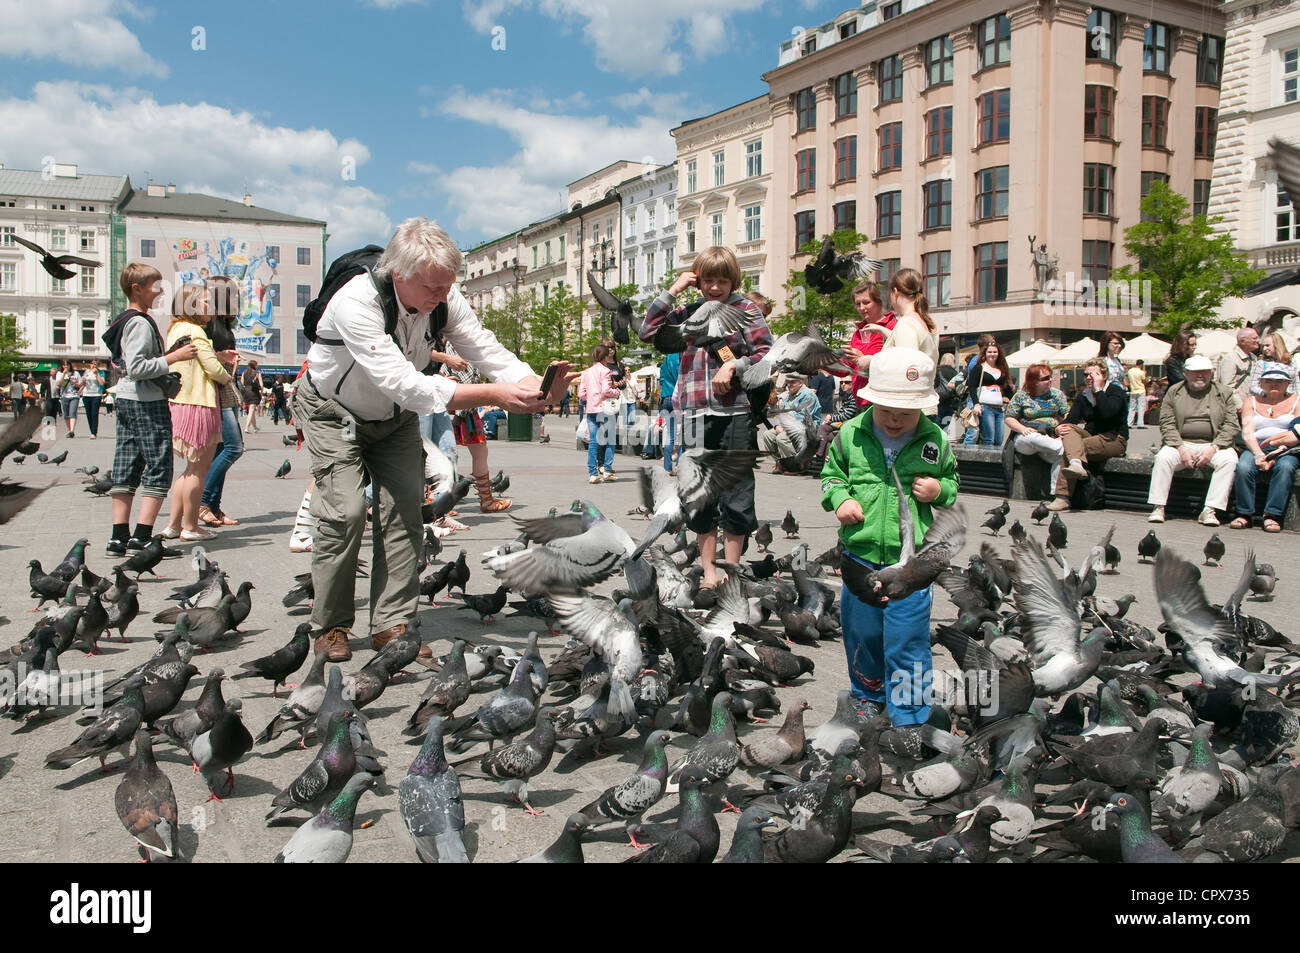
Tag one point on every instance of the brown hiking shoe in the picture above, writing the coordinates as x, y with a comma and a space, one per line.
335, 642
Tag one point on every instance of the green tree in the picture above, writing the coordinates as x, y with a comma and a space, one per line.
550, 334
509, 322
833, 314
1191, 269
12, 344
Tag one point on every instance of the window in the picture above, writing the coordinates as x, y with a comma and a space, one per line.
991, 272
991, 191
301, 344
304, 258
272, 255
1155, 48
690, 235
754, 158
1209, 59
1207, 126
994, 39
995, 116
87, 241
631, 272
938, 132
936, 269
1284, 219
1098, 189
846, 216
1201, 197
846, 159
58, 206
1101, 36
59, 285
1155, 115
649, 225
753, 223
272, 340
1149, 179
8, 276
719, 168
891, 10
938, 203
846, 95
810, 45
7, 233
60, 329
304, 293
58, 239
690, 176
630, 220
87, 332
888, 268
889, 214
87, 208
805, 228
631, 232
652, 225
88, 281
938, 61
805, 107
650, 268
891, 146
1098, 110
1096, 263
848, 29
806, 161
148, 248
1290, 75
669, 254
889, 77
534, 256
715, 228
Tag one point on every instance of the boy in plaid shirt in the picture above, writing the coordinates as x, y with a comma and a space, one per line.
714, 407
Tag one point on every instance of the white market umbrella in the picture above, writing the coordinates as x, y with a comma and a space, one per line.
1082, 350
1214, 343
1144, 347
1040, 352
649, 371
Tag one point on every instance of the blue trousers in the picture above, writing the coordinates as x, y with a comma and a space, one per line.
991, 425
890, 647
1282, 476
598, 426
436, 428
670, 432
230, 450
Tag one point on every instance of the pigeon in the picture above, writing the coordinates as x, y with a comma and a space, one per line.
696, 837
628, 800
784, 747
1214, 550
56, 460
38, 691
289, 440
995, 522
283, 470
328, 772
202, 627
1262, 583
611, 630
486, 606
447, 691
300, 708
124, 610
503, 716
577, 549
14, 436
243, 604
446, 501
72, 563
747, 841
42, 458
283, 662
114, 729
1016, 531
827, 272
327, 837
1148, 547
567, 848
818, 834
1248, 830
1061, 661
1056, 533
702, 478
713, 321
44, 587
623, 317
94, 620
513, 764
1192, 786
716, 754
147, 558
429, 800
146, 803
790, 525
56, 265
435, 582
1137, 843
182, 728
763, 536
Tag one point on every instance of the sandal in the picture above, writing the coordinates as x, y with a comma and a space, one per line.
1241, 522
226, 520
487, 502
1271, 525
207, 517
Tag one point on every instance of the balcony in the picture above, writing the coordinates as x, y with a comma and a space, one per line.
1277, 256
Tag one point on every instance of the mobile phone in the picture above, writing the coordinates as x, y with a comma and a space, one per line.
1279, 452
547, 380
180, 343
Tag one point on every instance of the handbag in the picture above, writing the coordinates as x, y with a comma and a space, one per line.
609, 407
970, 417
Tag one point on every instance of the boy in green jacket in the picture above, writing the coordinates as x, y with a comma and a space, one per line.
889, 647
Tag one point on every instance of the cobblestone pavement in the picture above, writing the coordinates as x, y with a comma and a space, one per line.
69, 816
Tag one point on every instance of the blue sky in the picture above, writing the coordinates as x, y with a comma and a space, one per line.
285, 99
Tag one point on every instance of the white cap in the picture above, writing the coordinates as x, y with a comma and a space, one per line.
1197, 362
902, 378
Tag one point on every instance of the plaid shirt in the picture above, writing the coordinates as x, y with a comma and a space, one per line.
694, 393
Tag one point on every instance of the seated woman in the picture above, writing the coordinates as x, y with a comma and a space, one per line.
1096, 428
1034, 413
1262, 417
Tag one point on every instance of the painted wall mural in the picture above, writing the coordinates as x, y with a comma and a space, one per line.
256, 276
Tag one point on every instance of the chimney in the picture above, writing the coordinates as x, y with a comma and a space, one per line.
248, 198
64, 170
155, 191
171, 188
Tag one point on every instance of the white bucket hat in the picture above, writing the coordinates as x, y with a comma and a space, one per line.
901, 378
1198, 362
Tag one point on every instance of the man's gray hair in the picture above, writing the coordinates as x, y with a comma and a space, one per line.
416, 245
1245, 333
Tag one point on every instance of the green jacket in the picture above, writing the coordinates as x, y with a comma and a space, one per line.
855, 467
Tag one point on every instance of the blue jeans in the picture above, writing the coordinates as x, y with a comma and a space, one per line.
968, 437
92, 412
436, 428
1281, 478
991, 425
230, 449
670, 431
598, 425
890, 646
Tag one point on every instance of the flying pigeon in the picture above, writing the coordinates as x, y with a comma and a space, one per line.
56, 266
623, 316
827, 272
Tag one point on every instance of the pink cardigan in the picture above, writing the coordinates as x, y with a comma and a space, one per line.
596, 385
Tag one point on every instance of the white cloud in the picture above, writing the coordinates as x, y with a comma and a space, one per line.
200, 147
630, 38
554, 150
84, 33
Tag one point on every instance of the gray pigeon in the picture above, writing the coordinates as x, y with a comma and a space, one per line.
327, 837
567, 848
300, 708
447, 691
628, 800
514, 764
114, 729
217, 750
503, 716
702, 477
783, 747
430, 803
577, 549
1192, 786
712, 321
328, 772
611, 630
1051, 624
146, 803
1137, 843
718, 752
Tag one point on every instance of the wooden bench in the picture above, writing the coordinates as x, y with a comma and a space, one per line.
1128, 480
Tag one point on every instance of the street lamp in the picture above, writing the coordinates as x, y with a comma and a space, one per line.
602, 260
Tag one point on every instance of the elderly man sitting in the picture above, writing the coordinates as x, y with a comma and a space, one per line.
1198, 423
800, 400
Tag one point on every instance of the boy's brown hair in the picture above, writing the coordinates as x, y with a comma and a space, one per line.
190, 304
760, 299
718, 262
137, 274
